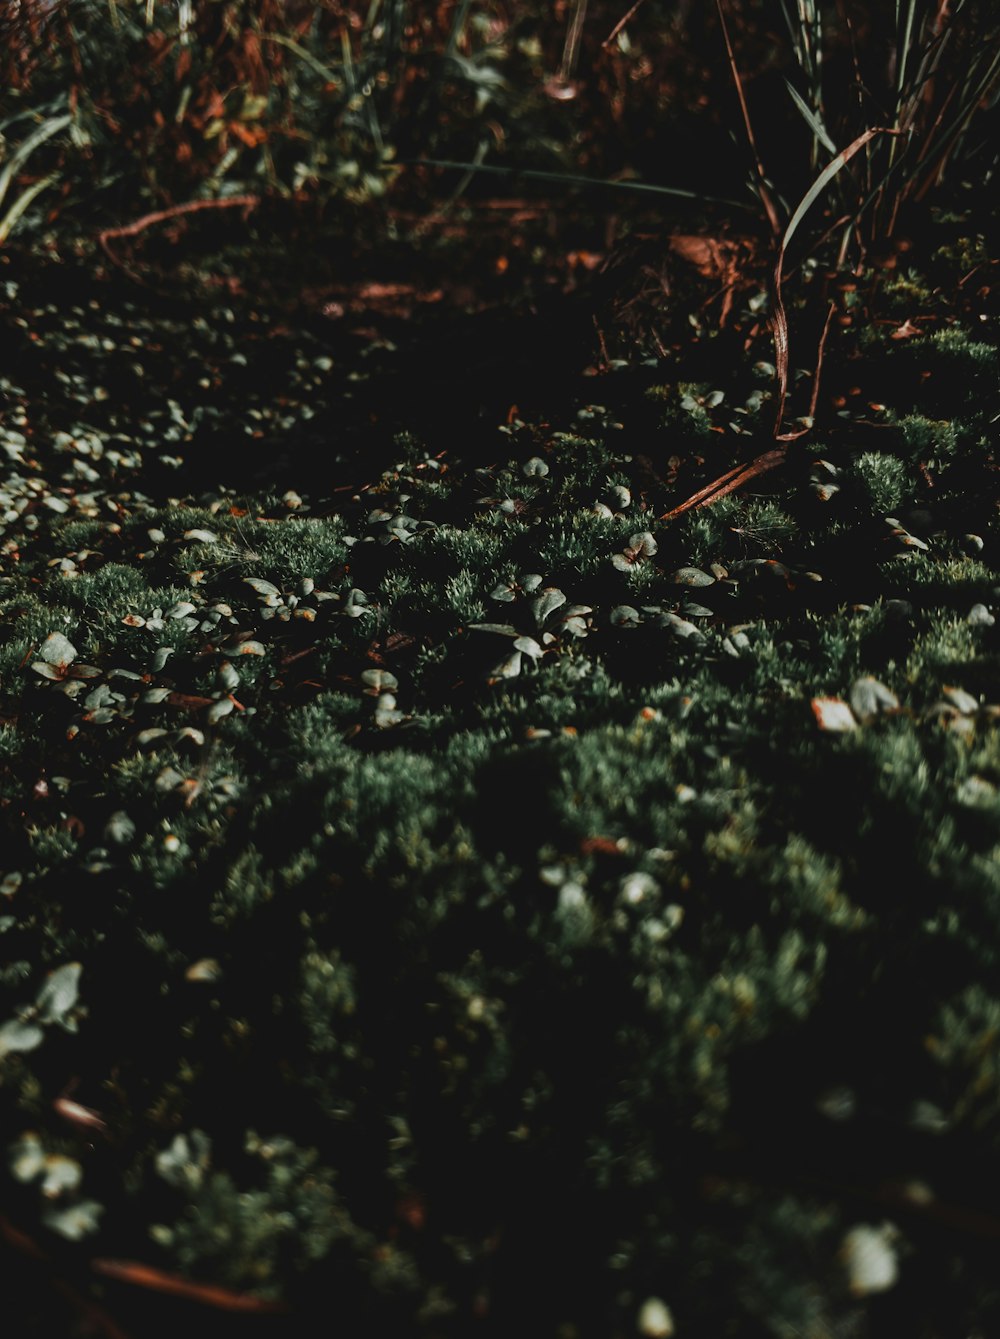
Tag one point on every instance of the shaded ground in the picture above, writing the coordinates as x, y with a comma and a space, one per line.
580, 907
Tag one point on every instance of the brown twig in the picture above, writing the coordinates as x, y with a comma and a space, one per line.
621, 24
145, 1276
247, 202
728, 482
95, 1315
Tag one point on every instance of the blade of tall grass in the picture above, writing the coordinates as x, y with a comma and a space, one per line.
9, 220
306, 56
779, 321
572, 179
812, 119
348, 56
28, 146
571, 51
905, 20
763, 191
805, 29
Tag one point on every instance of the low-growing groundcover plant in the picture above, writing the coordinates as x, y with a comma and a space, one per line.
468, 903
454, 880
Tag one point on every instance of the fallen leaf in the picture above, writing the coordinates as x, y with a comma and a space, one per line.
833, 714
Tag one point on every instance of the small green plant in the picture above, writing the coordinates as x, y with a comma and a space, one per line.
883, 478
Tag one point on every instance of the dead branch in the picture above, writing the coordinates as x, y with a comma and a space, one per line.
728, 482
145, 1276
246, 202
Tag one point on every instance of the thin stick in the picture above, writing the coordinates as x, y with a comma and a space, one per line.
248, 202
728, 482
621, 24
145, 1276
765, 195
95, 1316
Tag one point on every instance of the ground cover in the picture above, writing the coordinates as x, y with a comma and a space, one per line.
500, 787
459, 893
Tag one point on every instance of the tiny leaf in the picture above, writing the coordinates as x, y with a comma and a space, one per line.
59, 992
16, 1035
547, 603
57, 650
834, 715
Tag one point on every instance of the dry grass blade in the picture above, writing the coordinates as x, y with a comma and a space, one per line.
817, 374
762, 189
727, 483
948, 139
625, 19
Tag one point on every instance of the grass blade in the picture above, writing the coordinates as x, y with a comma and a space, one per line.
21, 204
762, 189
27, 147
824, 179
779, 322
572, 179
812, 119
304, 55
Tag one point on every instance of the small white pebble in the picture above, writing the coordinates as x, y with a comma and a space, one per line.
870, 1258
655, 1319
572, 898
637, 887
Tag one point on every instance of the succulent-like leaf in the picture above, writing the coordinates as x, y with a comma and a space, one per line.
262, 587
378, 681
18, 1035
57, 650
692, 576
529, 646
500, 629
546, 603
868, 697
75, 1221
59, 993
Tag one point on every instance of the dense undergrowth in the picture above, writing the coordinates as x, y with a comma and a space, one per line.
465, 902
499, 757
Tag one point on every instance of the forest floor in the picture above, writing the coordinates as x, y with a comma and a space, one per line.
489, 820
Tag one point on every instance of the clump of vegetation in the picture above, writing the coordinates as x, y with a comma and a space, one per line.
436, 891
